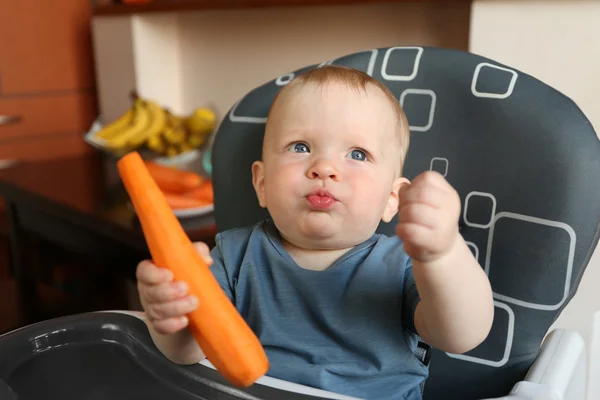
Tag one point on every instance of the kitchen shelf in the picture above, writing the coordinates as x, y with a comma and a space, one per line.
157, 6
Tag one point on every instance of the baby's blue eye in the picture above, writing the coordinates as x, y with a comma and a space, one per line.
299, 148
358, 155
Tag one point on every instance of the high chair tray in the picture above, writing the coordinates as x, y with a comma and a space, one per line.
107, 355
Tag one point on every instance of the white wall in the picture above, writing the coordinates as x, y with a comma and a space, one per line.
140, 53
225, 53
189, 59
558, 42
157, 58
114, 64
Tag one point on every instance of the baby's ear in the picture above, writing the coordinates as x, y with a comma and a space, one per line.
258, 180
391, 208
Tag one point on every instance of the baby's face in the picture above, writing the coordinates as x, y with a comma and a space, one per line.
330, 168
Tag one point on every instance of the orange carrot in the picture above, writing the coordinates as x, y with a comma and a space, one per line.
203, 192
172, 179
221, 332
179, 201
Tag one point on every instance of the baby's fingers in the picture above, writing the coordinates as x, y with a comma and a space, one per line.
163, 293
416, 239
149, 274
177, 308
203, 249
419, 213
170, 325
417, 235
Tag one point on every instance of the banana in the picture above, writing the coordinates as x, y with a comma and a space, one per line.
141, 122
196, 140
158, 120
201, 121
156, 144
184, 147
174, 135
172, 151
175, 121
148, 124
115, 127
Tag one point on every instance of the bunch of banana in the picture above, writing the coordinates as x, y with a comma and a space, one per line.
182, 134
147, 124
144, 120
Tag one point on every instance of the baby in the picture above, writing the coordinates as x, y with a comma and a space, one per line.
336, 305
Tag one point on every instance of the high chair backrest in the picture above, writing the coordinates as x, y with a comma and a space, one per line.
525, 161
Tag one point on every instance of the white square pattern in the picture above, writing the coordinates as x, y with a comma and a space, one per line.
504, 95
441, 160
492, 212
284, 79
241, 118
568, 267
421, 92
415, 69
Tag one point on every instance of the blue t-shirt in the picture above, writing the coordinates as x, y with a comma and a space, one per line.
348, 329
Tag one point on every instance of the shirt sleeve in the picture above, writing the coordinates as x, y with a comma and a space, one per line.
410, 298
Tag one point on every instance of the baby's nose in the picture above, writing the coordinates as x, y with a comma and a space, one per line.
323, 169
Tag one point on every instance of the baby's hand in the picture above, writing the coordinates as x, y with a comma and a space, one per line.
165, 302
428, 213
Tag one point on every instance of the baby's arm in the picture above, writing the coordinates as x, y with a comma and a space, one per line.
180, 347
166, 304
456, 310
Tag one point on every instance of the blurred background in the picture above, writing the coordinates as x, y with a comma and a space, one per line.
68, 70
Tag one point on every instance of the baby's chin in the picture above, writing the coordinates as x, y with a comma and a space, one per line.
319, 224
322, 231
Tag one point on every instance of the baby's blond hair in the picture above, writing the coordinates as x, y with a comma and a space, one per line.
354, 79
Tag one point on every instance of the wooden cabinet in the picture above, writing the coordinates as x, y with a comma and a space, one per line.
46, 78
153, 6
45, 46
50, 125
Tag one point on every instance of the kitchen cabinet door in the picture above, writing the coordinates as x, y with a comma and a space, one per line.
45, 46
47, 85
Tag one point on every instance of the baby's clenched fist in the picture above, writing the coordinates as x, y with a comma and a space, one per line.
428, 212
166, 302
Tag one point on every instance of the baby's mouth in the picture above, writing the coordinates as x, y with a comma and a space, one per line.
321, 199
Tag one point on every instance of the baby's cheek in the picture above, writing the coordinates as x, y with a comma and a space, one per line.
366, 198
378, 197
285, 190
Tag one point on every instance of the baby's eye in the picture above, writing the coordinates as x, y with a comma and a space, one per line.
358, 155
299, 148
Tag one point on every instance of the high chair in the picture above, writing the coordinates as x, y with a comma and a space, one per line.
526, 163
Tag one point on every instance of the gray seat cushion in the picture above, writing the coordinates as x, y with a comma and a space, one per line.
525, 161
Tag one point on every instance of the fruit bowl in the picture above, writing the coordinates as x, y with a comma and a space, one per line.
194, 211
183, 160
154, 131
179, 141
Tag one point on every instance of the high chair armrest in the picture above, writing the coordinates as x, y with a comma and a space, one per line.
559, 372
